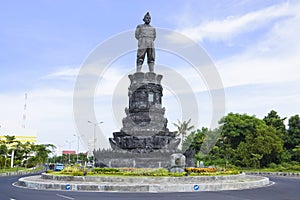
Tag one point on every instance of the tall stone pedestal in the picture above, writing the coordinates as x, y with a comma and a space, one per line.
144, 140
144, 127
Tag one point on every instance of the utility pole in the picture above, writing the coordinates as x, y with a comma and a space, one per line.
95, 124
77, 146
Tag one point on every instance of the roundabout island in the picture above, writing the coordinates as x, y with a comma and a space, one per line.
143, 184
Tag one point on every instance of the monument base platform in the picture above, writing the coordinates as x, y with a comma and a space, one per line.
113, 158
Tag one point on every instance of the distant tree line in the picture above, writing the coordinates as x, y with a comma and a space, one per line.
71, 159
247, 141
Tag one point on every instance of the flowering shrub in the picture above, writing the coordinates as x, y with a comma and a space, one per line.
160, 172
74, 171
195, 171
200, 170
151, 172
105, 170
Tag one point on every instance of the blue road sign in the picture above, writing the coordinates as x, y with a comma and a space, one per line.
196, 187
68, 187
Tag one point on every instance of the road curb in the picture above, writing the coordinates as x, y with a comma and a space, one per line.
145, 184
293, 174
21, 173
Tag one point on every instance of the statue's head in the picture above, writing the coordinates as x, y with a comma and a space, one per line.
147, 18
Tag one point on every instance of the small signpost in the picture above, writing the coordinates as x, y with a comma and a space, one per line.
196, 187
68, 187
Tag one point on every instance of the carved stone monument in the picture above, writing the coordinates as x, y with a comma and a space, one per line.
144, 140
145, 127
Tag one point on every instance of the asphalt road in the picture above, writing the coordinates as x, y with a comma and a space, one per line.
283, 189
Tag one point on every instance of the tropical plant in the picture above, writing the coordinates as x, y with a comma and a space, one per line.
293, 133
183, 129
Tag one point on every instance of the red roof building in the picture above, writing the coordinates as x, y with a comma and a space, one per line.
67, 152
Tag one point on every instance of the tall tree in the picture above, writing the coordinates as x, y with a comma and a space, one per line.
293, 133
183, 128
27, 152
195, 139
235, 128
3, 148
11, 144
296, 152
248, 141
273, 119
261, 147
3, 153
42, 151
10, 139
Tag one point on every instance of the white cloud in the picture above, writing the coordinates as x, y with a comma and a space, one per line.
265, 75
228, 28
66, 73
50, 93
260, 99
274, 59
11, 110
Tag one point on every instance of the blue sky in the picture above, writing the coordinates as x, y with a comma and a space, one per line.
254, 45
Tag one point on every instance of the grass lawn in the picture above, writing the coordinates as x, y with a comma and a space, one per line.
16, 169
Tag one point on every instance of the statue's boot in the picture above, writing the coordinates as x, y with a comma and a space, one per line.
138, 68
151, 67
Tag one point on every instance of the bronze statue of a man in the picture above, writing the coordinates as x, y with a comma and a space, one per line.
145, 34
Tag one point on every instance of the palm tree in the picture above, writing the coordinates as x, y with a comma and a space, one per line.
3, 153
27, 152
183, 128
11, 143
42, 151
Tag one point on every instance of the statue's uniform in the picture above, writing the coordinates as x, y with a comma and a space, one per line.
145, 34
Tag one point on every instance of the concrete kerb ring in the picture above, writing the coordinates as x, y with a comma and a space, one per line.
99, 60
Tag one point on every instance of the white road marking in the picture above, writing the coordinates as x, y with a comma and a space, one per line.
66, 197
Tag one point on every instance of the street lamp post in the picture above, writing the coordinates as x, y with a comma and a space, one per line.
77, 146
95, 124
70, 146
